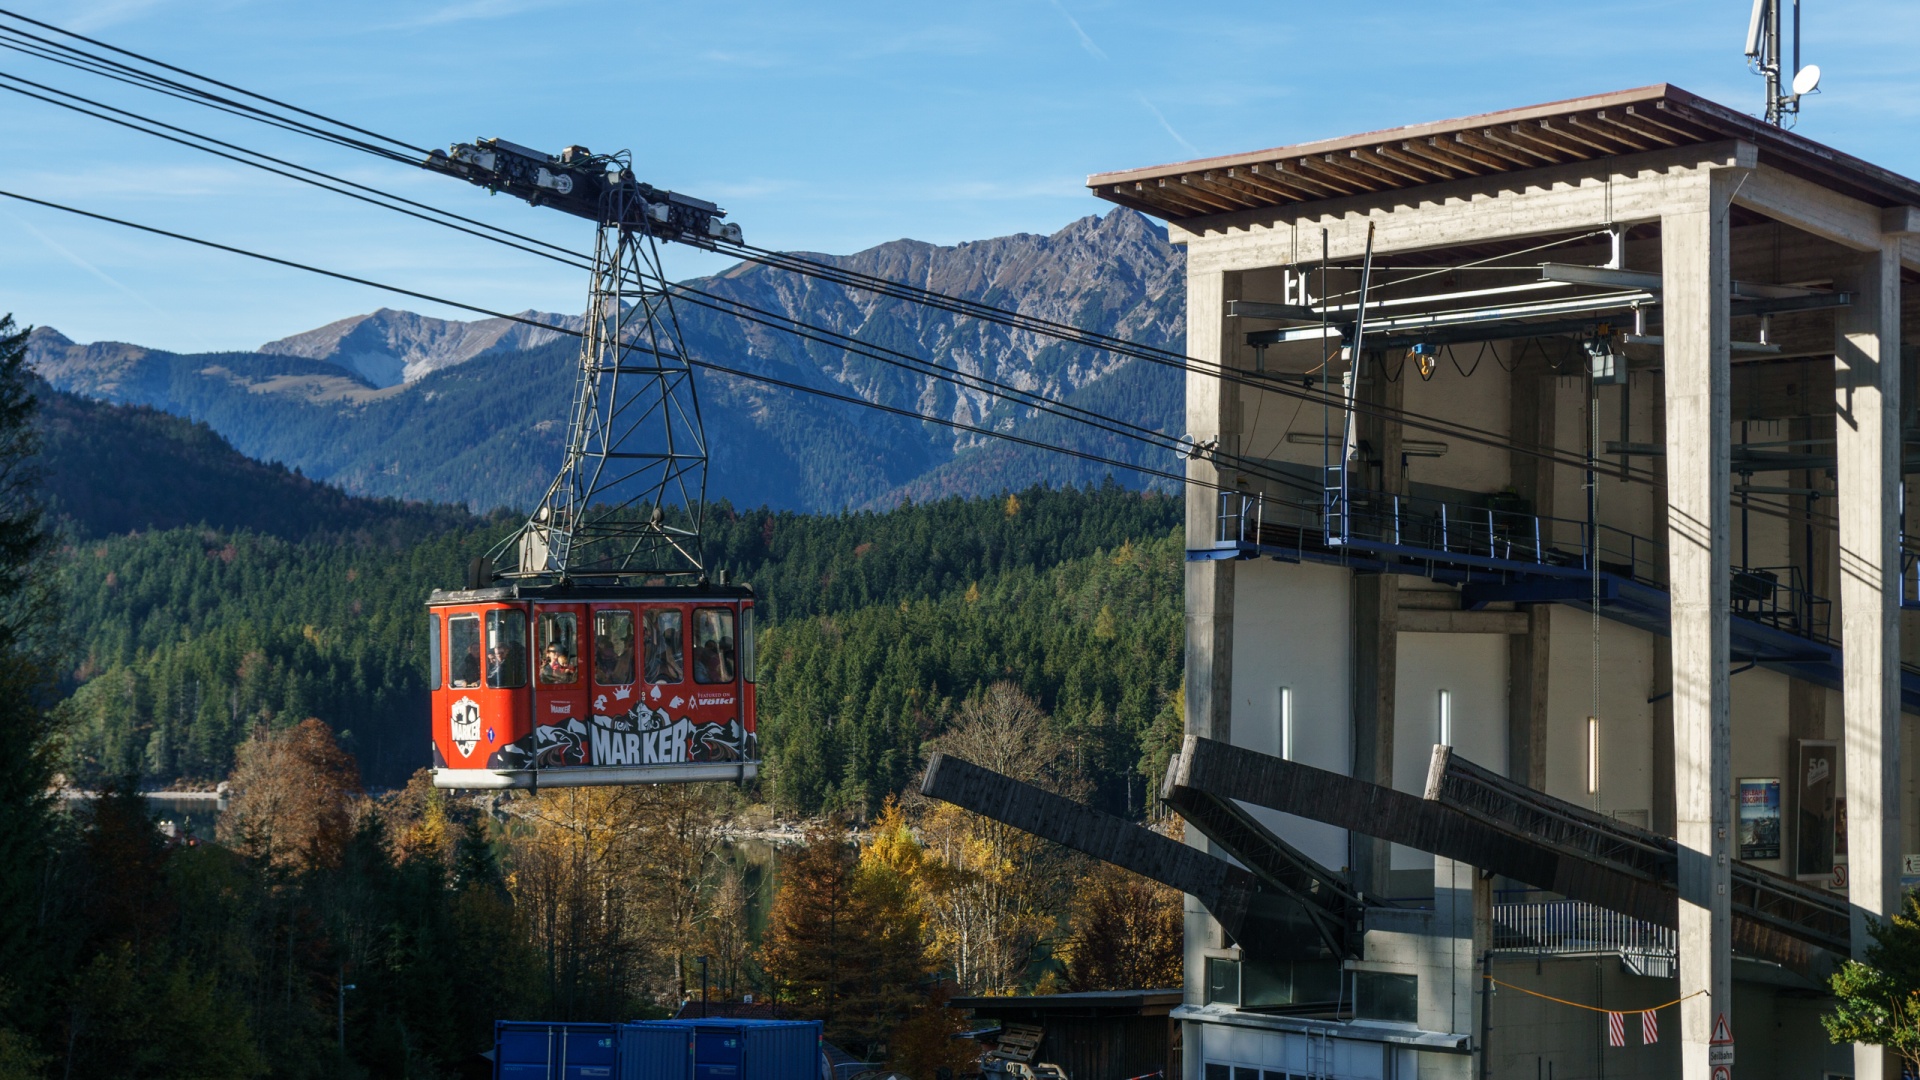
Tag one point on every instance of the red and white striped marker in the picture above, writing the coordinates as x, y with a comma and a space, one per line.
1616, 1029
1649, 1028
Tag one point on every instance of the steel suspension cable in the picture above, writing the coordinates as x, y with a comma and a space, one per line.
205, 79
707, 364
843, 276
712, 301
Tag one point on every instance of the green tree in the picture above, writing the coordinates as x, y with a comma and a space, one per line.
27, 825
1880, 998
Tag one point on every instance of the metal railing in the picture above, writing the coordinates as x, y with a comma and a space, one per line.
1419, 527
1421, 524
1573, 926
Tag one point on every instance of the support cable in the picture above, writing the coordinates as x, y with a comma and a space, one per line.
202, 78
843, 276
709, 365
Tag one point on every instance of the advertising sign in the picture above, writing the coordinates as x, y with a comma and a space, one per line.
1759, 818
1816, 789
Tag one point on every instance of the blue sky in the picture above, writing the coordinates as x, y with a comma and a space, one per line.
819, 126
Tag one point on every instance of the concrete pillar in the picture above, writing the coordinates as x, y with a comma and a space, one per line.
1531, 416
1213, 411
1867, 439
1463, 911
1376, 634
1810, 548
1661, 813
1694, 265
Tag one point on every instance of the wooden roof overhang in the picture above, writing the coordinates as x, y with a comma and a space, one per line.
1562, 132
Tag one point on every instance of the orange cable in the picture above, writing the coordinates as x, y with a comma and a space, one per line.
1591, 1008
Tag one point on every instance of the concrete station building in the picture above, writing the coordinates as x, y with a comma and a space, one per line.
1570, 437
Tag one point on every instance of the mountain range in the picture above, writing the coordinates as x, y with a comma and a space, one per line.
398, 405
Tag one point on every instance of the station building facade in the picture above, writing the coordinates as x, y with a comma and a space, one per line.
1570, 438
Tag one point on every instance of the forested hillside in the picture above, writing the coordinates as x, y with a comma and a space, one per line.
188, 638
110, 469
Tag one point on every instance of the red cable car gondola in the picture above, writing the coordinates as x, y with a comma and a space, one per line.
590, 647
556, 686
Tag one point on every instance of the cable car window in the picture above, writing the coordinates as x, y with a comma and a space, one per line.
559, 648
746, 642
507, 649
613, 647
463, 651
433, 650
713, 657
663, 646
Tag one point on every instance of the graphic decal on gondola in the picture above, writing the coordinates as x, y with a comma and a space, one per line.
640, 736
466, 725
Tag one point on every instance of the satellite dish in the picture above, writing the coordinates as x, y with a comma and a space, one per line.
1807, 81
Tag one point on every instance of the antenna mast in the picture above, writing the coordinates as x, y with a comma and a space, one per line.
1764, 38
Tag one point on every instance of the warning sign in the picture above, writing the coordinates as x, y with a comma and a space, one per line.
1721, 1072
1722, 1034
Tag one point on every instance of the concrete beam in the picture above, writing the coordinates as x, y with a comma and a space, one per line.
1867, 441
1695, 259
1428, 621
1811, 208
1476, 210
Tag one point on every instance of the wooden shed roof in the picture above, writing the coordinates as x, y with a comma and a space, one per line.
1579, 129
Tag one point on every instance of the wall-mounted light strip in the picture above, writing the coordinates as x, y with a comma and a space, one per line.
1286, 723
1446, 718
1593, 755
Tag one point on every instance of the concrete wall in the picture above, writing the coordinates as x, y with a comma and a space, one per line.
1290, 630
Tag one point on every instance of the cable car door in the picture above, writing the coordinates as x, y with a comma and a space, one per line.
560, 690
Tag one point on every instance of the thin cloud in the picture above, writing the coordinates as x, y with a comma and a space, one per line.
474, 11
1086, 42
1177, 137
61, 250
94, 17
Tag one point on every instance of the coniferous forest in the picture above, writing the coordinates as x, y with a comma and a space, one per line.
174, 615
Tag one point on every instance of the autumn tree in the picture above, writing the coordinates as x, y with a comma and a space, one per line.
1124, 933
291, 791
993, 892
844, 942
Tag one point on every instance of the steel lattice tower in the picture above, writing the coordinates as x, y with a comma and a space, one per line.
630, 494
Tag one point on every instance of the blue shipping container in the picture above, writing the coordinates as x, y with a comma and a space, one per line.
651, 1052
533, 1050
729, 1049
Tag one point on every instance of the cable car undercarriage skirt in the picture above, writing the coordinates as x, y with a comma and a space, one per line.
596, 775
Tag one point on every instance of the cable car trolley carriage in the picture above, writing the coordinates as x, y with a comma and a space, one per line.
591, 646
557, 686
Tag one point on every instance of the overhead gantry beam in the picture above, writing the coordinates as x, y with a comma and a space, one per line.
1479, 818
1224, 889
1230, 893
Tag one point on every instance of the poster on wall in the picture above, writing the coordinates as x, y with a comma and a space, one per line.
1759, 818
1816, 789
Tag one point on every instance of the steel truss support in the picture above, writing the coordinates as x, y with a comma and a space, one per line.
629, 497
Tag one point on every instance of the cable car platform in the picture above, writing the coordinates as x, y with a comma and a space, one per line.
1496, 555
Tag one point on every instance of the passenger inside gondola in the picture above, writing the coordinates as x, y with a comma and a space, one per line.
558, 663
612, 648
713, 648
663, 646
463, 652
506, 648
